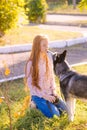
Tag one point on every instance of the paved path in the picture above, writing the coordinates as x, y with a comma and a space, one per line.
65, 18
17, 61
70, 20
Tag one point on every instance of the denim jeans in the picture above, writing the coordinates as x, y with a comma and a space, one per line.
49, 109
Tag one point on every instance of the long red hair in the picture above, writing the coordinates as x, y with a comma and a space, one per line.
34, 57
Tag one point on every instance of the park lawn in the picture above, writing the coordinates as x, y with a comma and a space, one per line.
81, 68
64, 9
84, 22
26, 33
80, 23
34, 119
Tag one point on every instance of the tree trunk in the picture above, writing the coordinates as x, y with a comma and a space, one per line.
74, 4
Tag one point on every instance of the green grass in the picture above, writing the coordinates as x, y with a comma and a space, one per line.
34, 119
81, 68
26, 33
64, 9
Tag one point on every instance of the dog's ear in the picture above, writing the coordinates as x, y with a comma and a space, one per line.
63, 55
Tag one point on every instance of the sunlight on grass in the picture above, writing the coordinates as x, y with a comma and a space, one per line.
64, 9
79, 23
26, 33
81, 69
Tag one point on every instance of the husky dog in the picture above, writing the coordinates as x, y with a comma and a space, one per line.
72, 84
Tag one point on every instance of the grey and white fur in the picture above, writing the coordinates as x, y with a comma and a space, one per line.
72, 84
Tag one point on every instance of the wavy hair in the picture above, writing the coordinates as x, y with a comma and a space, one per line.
34, 57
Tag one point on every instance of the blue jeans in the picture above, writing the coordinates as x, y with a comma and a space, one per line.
48, 108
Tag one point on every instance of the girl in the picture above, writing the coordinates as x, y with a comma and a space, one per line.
40, 79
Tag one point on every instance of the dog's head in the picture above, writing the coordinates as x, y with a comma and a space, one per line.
60, 65
58, 58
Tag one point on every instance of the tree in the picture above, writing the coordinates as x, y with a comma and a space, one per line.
69, 2
9, 13
36, 10
74, 4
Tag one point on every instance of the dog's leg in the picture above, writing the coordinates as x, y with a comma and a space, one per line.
71, 107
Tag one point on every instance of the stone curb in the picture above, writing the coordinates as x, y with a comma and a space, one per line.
68, 14
66, 24
23, 75
52, 44
12, 78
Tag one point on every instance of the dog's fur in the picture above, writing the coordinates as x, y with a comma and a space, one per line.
72, 84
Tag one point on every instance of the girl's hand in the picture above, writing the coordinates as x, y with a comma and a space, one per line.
55, 94
50, 98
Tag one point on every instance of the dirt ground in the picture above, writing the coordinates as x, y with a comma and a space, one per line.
16, 62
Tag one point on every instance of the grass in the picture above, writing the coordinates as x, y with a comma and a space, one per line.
64, 9
34, 119
81, 68
26, 33
79, 23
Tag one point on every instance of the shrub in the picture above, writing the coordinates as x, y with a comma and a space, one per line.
35, 120
83, 4
36, 10
9, 12
32, 119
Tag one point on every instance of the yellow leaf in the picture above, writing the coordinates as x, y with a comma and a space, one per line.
16, 115
7, 71
1, 100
